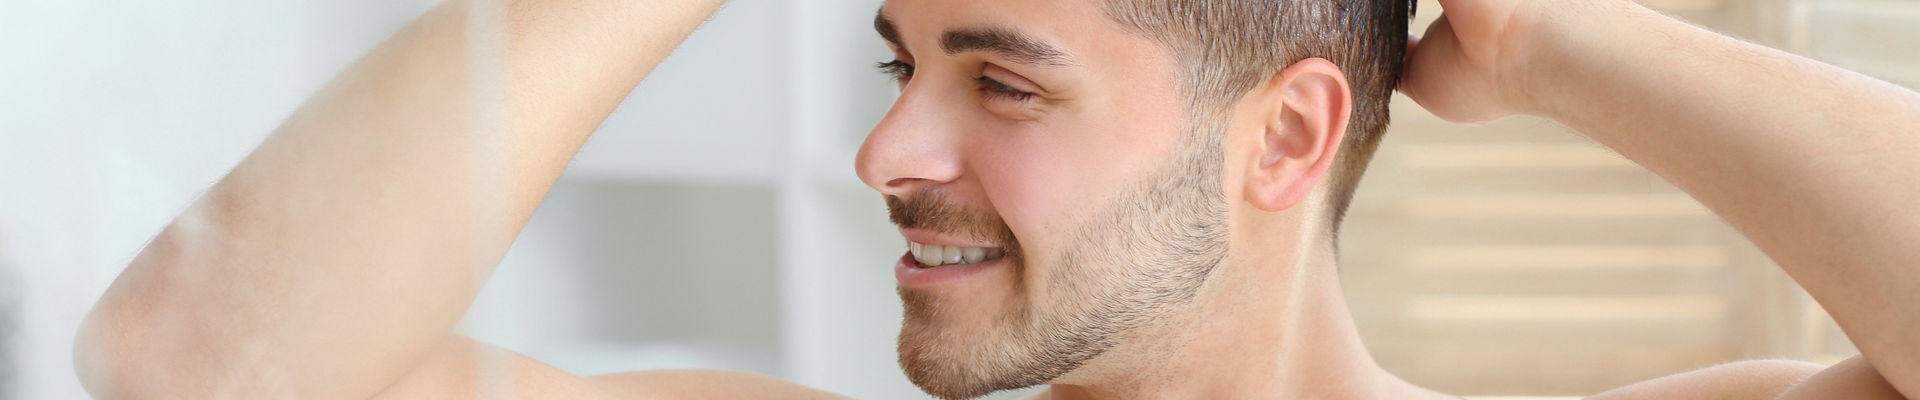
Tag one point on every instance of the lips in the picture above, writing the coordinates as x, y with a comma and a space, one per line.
914, 275
933, 255
948, 260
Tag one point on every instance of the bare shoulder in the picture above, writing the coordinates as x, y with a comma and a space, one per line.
705, 384
1763, 380
1742, 380
461, 368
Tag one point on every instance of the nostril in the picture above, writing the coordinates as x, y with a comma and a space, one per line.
897, 183
902, 186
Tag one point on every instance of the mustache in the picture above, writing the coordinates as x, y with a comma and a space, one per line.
934, 210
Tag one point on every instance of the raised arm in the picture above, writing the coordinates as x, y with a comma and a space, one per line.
340, 254
1818, 166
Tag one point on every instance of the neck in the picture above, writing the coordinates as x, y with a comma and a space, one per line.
1270, 324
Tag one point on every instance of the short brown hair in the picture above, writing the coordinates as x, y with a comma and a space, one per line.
1228, 46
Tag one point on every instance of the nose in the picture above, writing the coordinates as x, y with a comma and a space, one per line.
916, 146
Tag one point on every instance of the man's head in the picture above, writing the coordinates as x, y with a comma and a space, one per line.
1094, 162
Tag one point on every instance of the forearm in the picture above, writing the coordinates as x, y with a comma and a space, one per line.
353, 239
1815, 164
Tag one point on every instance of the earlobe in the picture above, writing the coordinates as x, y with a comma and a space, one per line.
1302, 133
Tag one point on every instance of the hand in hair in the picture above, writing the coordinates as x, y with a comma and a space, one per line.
1467, 68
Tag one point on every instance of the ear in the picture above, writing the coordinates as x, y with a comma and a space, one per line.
1302, 132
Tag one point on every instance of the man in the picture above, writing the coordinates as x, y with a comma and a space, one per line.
1120, 198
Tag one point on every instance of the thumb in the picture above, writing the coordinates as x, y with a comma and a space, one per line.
1406, 61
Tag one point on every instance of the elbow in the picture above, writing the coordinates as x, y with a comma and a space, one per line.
108, 356
98, 357
118, 352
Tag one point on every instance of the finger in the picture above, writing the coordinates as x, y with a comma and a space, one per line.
1423, 50
1413, 48
1406, 59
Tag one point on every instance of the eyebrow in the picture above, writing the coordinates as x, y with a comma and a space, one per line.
1002, 41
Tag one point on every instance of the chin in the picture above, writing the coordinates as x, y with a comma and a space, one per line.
959, 347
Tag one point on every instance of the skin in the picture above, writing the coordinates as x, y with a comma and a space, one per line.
333, 264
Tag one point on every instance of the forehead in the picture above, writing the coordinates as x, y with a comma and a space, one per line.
961, 9
1076, 25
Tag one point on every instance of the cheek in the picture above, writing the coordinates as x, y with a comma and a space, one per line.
1045, 182
1032, 188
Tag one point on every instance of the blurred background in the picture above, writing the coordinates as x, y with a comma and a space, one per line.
1513, 259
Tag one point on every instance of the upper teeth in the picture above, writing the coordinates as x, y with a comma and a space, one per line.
936, 255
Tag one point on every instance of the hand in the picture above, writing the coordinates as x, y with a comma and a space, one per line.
1469, 66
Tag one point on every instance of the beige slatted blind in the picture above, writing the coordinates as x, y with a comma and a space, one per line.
1520, 259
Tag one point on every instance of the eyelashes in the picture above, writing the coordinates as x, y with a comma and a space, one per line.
901, 72
995, 89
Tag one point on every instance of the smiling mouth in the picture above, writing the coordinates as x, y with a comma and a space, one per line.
929, 255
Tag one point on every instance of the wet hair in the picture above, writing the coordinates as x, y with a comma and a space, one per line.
1228, 46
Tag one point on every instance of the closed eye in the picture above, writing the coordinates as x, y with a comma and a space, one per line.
996, 90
